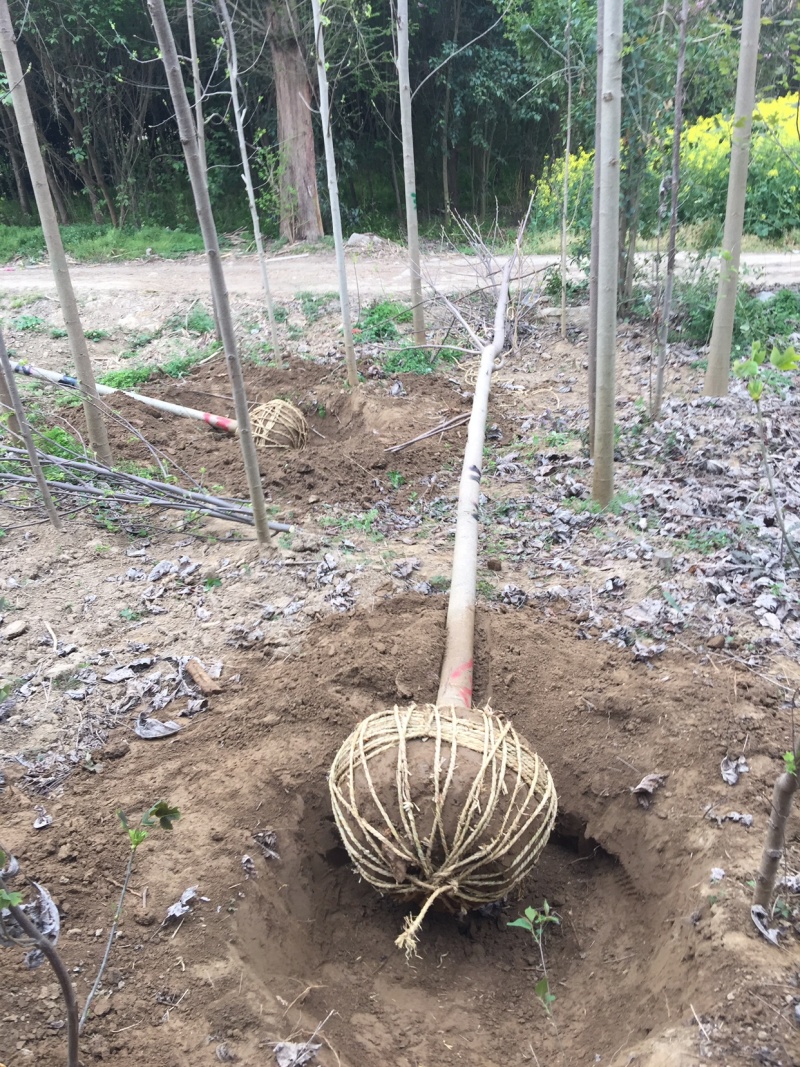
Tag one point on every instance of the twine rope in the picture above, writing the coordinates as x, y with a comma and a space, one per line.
512, 782
279, 424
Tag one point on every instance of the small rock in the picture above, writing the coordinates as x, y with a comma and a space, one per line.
718, 641
66, 854
15, 629
144, 918
102, 1007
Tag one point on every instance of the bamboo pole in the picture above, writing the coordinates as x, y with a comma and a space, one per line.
205, 216
7, 375
52, 236
333, 194
455, 686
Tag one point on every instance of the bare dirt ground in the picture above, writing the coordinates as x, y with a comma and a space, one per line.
611, 666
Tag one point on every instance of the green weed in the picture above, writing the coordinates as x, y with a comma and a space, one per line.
311, 305
378, 322
96, 335
536, 921
410, 360
89, 243
28, 322
396, 479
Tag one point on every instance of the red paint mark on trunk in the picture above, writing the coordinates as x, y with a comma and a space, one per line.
461, 682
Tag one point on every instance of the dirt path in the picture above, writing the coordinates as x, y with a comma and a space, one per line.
371, 275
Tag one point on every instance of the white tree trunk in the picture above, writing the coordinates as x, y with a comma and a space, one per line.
98, 437
719, 352
199, 122
198, 178
409, 174
565, 192
238, 114
455, 685
666, 307
595, 244
333, 194
608, 258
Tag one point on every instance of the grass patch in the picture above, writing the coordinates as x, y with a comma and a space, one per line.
311, 305
89, 243
131, 377
379, 321
410, 360
28, 322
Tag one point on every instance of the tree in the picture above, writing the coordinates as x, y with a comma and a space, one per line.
594, 240
674, 186
608, 261
197, 175
333, 193
300, 215
238, 115
98, 437
409, 174
719, 352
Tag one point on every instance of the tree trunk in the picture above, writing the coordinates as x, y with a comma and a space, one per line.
205, 217
565, 191
238, 114
445, 131
675, 181
608, 260
782, 797
197, 85
333, 194
412, 226
719, 351
17, 163
455, 684
300, 215
595, 232
52, 236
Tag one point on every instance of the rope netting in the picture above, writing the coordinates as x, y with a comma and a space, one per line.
441, 804
279, 424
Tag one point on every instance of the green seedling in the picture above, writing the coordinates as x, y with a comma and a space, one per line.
130, 615
396, 479
212, 582
536, 921
790, 763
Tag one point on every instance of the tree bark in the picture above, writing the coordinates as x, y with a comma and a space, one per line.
719, 352
675, 181
238, 114
782, 797
52, 236
409, 175
300, 215
333, 193
198, 178
595, 232
608, 259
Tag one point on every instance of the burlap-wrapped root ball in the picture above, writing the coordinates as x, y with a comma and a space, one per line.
441, 804
279, 424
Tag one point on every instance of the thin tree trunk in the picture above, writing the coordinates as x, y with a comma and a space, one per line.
17, 164
197, 176
333, 194
666, 307
300, 215
445, 131
608, 260
52, 236
233, 73
595, 232
565, 194
719, 351
455, 684
197, 85
412, 226
10, 388
782, 797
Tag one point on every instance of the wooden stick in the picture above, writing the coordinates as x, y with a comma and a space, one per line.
449, 424
25, 430
202, 679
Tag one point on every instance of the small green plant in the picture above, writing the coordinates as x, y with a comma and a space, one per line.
57, 333
703, 542
396, 479
161, 814
312, 304
96, 335
378, 322
198, 320
28, 322
439, 583
536, 921
130, 615
411, 360
212, 582
790, 763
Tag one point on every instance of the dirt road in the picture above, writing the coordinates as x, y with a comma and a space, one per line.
371, 275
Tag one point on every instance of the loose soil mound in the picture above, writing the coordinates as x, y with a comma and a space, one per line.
275, 946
